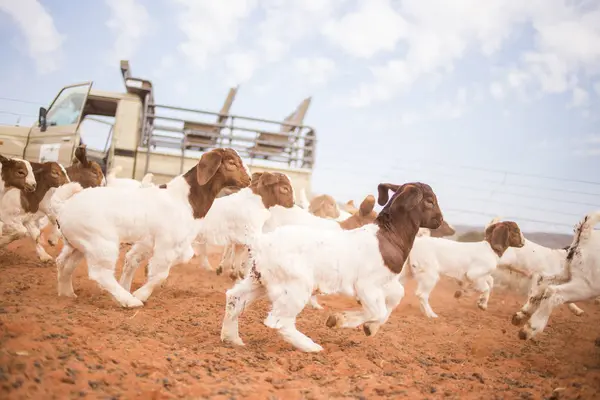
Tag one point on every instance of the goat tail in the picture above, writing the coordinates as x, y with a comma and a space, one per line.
583, 230
60, 197
147, 179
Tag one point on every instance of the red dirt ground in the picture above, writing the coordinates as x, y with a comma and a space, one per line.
59, 348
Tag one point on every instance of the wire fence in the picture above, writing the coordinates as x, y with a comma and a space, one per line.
470, 193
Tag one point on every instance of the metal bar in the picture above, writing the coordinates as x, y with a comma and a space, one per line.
144, 121
270, 121
255, 130
231, 137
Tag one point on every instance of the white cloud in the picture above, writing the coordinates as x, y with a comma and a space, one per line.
130, 22
316, 70
240, 67
287, 22
210, 26
597, 88
165, 64
566, 42
580, 98
44, 42
373, 28
496, 90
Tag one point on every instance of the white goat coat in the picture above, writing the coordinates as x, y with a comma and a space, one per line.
451, 258
113, 214
236, 218
327, 261
281, 216
532, 258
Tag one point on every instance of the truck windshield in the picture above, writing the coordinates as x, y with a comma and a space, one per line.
67, 107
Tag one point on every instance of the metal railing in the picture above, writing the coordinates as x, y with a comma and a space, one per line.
163, 129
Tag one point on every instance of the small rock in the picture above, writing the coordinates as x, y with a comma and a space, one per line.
68, 379
22, 353
432, 390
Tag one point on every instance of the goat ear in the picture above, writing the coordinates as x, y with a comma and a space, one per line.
492, 222
81, 155
367, 205
268, 179
408, 198
3, 159
207, 167
255, 176
499, 238
383, 189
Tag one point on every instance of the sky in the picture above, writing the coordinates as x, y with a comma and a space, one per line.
495, 104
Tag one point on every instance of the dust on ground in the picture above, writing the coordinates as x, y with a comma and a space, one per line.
89, 347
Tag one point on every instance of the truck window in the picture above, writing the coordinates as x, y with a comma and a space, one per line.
67, 107
96, 132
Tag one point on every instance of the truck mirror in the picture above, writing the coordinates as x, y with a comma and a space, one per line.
42, 119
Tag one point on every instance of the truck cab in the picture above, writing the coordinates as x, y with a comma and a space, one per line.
131, 130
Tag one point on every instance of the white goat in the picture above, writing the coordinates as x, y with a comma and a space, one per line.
23, 211
528, 263
292, 262
112, 180
95, 221
237, 218
15, 173
579, 280
473, 262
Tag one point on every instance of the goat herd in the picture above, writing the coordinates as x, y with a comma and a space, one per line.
278, 246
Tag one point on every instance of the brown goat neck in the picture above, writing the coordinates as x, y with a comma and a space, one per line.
396, 236
30, 202
201, 197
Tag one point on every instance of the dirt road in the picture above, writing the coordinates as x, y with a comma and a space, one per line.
60, 348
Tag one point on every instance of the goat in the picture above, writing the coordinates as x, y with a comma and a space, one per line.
292, 262
578, 281
112, 180
22, 211
472, 262
325, 206
445, 230
363, 216
528, 263
236, 218
87, 173
95, 221
15, 173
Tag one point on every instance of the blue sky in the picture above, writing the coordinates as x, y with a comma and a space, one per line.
402, 90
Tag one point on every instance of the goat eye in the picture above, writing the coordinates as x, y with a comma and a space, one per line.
22, 173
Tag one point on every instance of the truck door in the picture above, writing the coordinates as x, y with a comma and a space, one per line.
58, 140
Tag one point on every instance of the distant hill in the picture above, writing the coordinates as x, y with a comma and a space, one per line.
552, 240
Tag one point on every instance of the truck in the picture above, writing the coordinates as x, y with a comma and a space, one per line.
143, 136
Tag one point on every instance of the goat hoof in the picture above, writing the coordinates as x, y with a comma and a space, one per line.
527, 332
132, 303
517, 318
597, 342
371, 328
458, 294
219, 270
482, 306
236, 341
597, 301
334, 321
